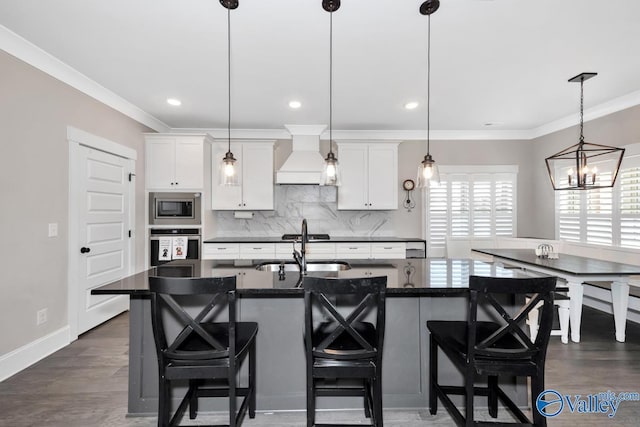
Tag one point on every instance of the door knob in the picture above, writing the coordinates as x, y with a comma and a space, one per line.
84, 250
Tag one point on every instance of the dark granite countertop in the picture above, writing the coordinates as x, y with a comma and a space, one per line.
333, 239
428, 277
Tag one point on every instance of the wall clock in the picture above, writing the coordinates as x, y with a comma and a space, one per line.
409, 186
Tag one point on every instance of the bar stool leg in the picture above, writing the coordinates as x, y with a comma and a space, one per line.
252, 381
433, 376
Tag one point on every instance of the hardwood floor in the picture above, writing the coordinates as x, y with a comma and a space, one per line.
85, 384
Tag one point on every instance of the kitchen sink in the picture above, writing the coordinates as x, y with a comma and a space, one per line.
311, 266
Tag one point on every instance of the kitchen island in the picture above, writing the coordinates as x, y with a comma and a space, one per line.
277, 305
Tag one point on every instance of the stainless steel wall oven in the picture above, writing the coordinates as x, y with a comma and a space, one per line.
156, 234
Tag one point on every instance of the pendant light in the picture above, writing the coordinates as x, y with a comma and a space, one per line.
428, 170
330, 174
578, 165
229, 172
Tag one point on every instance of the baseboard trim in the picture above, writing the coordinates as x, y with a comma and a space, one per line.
21, 358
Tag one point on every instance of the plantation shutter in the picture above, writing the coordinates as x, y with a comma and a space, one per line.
605, 216
468, 205
482, 206
630, 204
599, 221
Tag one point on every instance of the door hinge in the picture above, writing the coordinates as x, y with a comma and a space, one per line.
129, 233
131, 175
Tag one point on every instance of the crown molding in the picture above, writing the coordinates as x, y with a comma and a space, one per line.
236, 133
31, 54
613, 106
379, 135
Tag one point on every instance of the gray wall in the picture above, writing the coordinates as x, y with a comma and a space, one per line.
34, 180
617, 129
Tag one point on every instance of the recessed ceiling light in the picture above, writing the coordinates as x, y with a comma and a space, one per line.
411, 105
173, 101
295, 104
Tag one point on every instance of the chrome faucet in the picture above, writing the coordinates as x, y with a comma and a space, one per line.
300, 257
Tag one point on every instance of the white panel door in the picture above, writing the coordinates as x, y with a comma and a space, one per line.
103, 232
383, 176
352, 192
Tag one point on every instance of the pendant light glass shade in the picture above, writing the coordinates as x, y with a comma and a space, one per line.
228, 168
428, 170
330, 174
584, 166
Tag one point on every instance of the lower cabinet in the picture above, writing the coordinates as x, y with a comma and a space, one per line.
385, 250
373, 271
395, 250
243, 275
320, 250
314, 250
257, 251
220, 251
353, 250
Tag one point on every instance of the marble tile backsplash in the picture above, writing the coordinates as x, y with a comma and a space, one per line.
317, 204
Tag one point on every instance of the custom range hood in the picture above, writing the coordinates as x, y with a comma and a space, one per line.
304, 164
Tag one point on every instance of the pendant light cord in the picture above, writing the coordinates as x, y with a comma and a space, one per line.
229, 76
582, 109
428, 81
330, 81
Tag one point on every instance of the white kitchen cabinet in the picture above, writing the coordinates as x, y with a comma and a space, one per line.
388, 250
378, 250
257, 250
319, 250
220, 251
174, 162
254, 167
372, 271
353, 250
284, 250
369, 176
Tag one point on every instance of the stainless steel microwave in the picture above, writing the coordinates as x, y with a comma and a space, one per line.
175, 208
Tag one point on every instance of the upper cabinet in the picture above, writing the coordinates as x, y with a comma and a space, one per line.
174, 162
255, 176
369, 176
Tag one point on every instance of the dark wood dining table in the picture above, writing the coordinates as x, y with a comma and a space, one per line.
576, 270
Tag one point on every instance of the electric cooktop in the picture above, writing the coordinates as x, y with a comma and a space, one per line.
310, 236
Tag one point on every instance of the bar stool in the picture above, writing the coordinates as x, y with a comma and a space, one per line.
493, 348
201, 350
345, 347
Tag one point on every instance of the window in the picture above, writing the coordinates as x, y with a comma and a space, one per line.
470, 202
455, 273
606, 216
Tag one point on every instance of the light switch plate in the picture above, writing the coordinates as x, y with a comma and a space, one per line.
53, 229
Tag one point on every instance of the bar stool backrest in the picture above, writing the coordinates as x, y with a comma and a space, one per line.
510, 340
166, 302
368, 295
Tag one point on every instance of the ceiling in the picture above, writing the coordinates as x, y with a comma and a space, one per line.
504, 62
